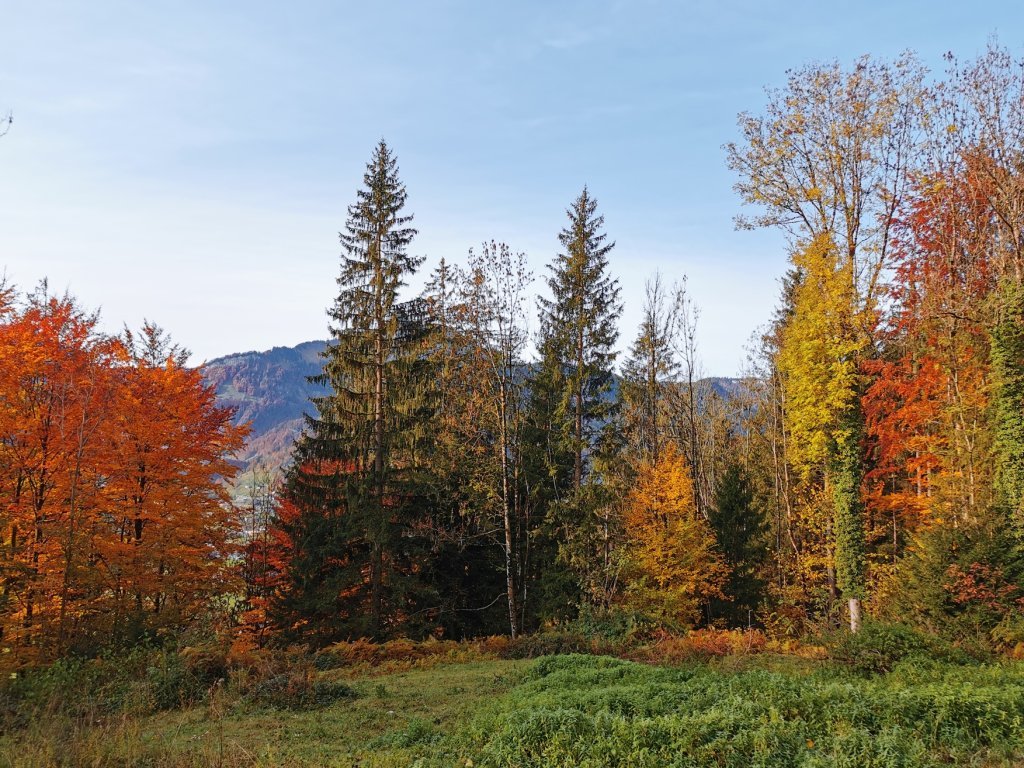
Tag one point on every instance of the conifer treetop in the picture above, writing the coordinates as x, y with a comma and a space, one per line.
375, 258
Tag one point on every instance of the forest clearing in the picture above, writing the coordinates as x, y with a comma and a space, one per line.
502, 516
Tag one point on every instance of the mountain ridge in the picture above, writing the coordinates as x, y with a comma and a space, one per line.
271, 390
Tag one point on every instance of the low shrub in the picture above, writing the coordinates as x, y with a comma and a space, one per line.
616, 625
701, 644
173, 682
1008, 635
403, 653
286, 680
365, 656
79, 687
208, 662
417, 733
551, 643
297, 690
144, 681
878, 647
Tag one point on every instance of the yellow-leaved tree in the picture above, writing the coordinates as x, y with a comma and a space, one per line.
671, 561
818, 363
818, 357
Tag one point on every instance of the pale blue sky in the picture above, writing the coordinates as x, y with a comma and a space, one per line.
191, 162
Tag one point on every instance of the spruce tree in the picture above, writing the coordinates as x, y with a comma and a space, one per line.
741, 532
353, 485
573, 404
578, 334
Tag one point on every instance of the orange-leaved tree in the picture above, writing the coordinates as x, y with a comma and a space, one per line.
114, 518
928, 401
56, 391
671, 562
170, 528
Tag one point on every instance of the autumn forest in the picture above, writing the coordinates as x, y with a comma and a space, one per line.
485, 463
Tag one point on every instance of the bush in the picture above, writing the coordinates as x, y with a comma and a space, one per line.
284, 680
208, 662
417, 733
298, 691
402, 653
144, 681
555, 643
82, 687
173, 683
614, 624
1008, 635
703, 644
878, 647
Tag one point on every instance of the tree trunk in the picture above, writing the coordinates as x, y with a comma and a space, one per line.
855, 614
379, 524
577, 473
508, 517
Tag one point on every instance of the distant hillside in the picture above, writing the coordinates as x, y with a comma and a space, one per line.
270, 390
725, 387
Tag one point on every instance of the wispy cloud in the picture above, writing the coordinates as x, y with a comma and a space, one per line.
570, 39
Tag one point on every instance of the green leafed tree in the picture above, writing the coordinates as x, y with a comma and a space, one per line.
846, 470
1007, 355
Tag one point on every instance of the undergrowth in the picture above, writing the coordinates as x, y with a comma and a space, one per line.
588, 712
886, 697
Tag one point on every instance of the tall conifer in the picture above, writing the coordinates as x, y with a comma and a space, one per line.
353, 482
741, 531
578, 334
573, 404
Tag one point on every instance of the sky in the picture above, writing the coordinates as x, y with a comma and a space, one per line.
191, 163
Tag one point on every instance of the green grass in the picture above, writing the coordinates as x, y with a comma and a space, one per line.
574, 711
391, 721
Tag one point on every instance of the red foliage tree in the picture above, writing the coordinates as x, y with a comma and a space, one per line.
112, 452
